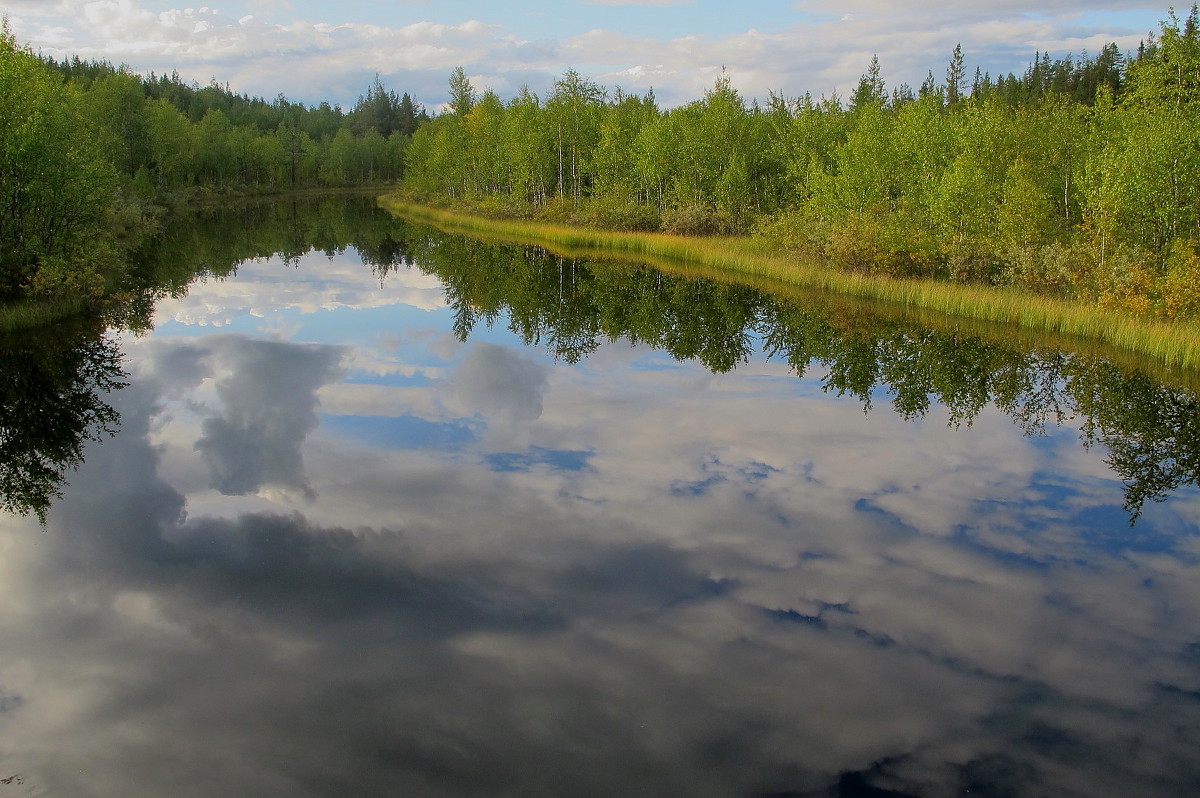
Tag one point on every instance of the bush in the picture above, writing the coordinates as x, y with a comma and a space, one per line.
1179, 287
694, 220
1055, 268
1126, 280
622, 215
790, 230
56, 278
970, 264
880, 245
498, 207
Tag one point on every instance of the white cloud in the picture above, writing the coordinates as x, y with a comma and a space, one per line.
497, 382
266, 288
270, 5
818, 48
134, 637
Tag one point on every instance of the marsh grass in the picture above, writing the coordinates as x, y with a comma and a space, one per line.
1173, 343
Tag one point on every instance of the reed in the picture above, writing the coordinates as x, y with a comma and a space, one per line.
1174, 343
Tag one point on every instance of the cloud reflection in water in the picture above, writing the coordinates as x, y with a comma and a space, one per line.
670, 582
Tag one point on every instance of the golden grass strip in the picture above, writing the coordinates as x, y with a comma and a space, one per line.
1174, 343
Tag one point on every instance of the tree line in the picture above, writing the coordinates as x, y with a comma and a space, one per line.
1079, 177
87, 147
178, 134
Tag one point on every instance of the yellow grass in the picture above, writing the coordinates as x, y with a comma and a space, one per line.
1173, 343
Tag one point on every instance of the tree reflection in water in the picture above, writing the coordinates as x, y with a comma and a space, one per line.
588, 608
1150, 430
52, 401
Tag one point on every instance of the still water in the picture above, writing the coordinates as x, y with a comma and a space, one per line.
370, 510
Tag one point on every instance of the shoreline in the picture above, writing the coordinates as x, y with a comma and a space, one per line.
1174, 343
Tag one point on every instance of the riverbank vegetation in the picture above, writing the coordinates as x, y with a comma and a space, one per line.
1079, 179
1174, 342
1075, 182
92, 155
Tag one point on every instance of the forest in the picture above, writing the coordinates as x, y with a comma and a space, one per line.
1078, 178
91, 156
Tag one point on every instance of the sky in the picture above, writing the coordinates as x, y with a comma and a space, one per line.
313, 51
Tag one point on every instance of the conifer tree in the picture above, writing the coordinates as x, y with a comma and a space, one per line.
956, 73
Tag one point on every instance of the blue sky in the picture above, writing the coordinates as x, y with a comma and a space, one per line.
312, 51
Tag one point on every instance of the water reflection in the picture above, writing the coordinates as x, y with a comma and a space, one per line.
1151, 431
350, 548
52, 401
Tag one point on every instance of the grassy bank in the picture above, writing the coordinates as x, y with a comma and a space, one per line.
1174, 343
30, 313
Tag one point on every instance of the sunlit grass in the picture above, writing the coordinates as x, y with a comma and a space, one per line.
1174, 343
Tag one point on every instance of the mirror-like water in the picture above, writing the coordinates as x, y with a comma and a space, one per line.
377, 511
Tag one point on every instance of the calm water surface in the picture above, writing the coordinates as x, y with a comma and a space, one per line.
404, 514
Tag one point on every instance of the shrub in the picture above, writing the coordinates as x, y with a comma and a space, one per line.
1179, 286
1126, 280
611, 214
694, 220
56, 278
1054, 268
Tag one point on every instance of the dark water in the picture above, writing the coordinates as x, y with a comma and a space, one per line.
394, 513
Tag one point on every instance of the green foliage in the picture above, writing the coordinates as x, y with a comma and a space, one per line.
87, 149
871, 88
186, 136
1180, 283
55, 187
1081, 176
573, 119
462, 93
617, 213
1071, 179
1146, 179
1166, 73
51, 404
693, 220
380, 109
956, 74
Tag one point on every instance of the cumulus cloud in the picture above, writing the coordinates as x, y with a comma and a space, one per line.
756, 635
497, 381
269, 291
813, 47
266, 392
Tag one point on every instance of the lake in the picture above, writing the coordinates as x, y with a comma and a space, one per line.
340, 505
